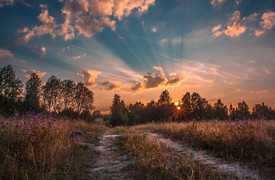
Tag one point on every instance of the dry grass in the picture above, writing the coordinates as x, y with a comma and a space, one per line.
156, 161
34, 146
252, 141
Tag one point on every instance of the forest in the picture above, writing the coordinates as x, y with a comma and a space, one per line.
66, 98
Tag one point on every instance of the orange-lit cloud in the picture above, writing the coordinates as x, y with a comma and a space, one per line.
48, 27
154, 29
88, 17
4, 52
157, 80
267, 23
29, 72
89, 77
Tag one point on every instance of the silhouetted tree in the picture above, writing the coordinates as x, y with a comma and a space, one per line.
241, 112
84, 98
33, 86
136, 113
119, 114
220, 110
51, 93
261, 111
10, 90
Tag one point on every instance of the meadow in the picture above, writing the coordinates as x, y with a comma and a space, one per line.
35, 146
243, 140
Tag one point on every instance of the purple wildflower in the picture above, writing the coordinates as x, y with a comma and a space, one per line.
36, 117
31, 133
44, 126
7, 122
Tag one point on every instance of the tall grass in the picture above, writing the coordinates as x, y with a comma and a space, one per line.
156, 161
34, 146
252, 141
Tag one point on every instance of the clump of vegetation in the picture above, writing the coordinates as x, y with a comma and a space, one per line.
156, 161
252, 141
34, 146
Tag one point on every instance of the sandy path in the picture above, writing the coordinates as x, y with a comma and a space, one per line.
111, 162
234, 169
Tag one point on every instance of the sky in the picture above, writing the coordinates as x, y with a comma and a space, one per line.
222, 49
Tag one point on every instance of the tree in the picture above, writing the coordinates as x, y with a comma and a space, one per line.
220, 110
10, 90
136, 113
186, 106
198, 105
119, 114
68, 88
10, 85
164, 107
261, 111
33, 86
241, 112
164, 98
51, 92
84, 98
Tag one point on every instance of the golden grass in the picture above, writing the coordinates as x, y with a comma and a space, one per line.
253, 141
156, 161
35, 146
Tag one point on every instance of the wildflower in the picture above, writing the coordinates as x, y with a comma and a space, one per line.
31, 133
17, 125
7, 122
44, 126
36, 117
3, 125
29, 128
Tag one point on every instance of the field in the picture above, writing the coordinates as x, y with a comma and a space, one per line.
34, 146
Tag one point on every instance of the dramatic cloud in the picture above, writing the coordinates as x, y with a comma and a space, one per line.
217, 2
48, 27
236, 29
267, 23
236, 25
43, 51
157, 80
89, 77
29, 72
6, 3
88, 17
4, 52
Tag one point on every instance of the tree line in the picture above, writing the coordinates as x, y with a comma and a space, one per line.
190, 107
56, 97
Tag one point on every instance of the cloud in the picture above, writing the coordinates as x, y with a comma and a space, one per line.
236, 29
236, 25
154, 29
217, 2
264, 91
4, 52
43, 51
88, 17
267, 23
89, 77
108, 86
48, 27
29, 72
78, 57
157, 80
6, 3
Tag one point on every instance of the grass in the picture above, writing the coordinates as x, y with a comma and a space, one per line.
156, 161
34, 146
252, 141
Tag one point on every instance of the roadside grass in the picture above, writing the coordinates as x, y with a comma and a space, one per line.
252, 141
34, 146
156, 161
